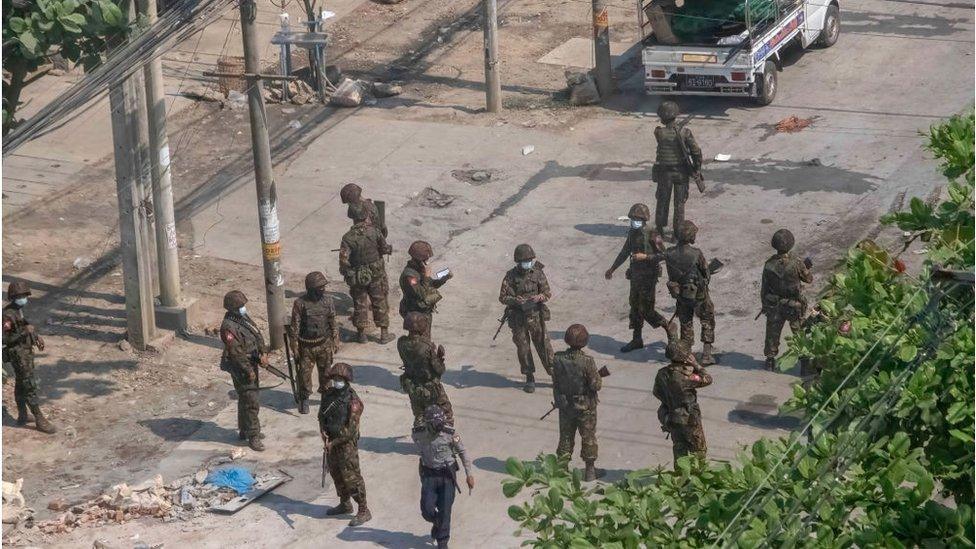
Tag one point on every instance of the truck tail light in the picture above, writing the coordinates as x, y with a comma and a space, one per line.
658, 73
738, 77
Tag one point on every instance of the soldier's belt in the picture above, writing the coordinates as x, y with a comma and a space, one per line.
311, 342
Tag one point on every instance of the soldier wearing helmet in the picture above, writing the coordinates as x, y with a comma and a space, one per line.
671, 171
352, 194
575, 384
676, 387
423, 366
688, 278
780, 291
645, 249
339, 417
244, 352
361, 265
19, 341
524, 292
313, 335
439, 447
420, 291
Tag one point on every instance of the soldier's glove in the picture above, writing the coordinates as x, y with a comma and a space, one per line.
609, 274
440, 351
808, 262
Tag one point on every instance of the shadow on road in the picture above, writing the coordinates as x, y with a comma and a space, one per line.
762, 411
651, 353
287, 507
178, 429
388, 445
467, 376
385, 538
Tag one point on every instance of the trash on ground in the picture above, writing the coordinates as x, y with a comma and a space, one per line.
432, 198
237, 478
527, 150
793, 123
260, 488
722, 157
582, 88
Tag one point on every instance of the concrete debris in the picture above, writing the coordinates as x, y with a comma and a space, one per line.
386, 89
101, 544
793, 124
200, 476
349, 93
527, 150
432, 198
294, 124
582, 88
59, 504
236, 100
124, 345
474, 177
81, 262
237, 453
299, 93
15, 510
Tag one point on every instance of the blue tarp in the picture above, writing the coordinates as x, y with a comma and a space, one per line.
238, 478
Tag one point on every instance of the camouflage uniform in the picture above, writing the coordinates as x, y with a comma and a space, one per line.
688, 279
243, 345
361, 264
675, 386
372, 213
313, 326
671, 172
423, 366
19, 342
420, 292
575, 384
339, 419
781, 298
528, 320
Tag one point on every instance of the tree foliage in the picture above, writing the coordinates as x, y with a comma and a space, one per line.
889, 459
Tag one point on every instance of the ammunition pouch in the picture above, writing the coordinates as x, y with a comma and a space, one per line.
359, 276
688, 290
674, 289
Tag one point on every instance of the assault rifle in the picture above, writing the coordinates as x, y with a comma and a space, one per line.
501, 323
604, 372
695, 175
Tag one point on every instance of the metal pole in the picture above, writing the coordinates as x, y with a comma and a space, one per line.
493, 86
601, 45
263, 178
167, 253
284, 58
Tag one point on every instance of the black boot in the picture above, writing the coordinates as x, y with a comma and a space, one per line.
344, 508
529, 383
636, 343
303, 406
589, 474
22, 415
706, 357
362, 517
255, 443
385, 337
770, 363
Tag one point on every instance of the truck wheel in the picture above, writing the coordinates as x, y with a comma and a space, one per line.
766, 84
831, 29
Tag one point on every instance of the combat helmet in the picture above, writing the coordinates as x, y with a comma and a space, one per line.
234, 299
524, 252
420, 250
783, 240
576, 336
639, 211
687, 232
668, 111
315, 280
350, 192
18, 288
341, 369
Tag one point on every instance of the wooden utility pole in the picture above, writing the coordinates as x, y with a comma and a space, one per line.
167, 253
601, 45
263, 177
493, 86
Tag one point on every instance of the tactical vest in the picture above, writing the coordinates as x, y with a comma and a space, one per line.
570, 381
334, 413
15, 337
315, 318
415, 352
668, 149
421, 298
683, 268
363, 249
527, 284
245, 331
641, 240
784, 281
681, 401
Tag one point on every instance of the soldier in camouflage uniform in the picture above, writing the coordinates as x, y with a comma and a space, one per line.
575, 384
352, 194
423, 365
645, 249
339, 426
244, 352
420, 291
782, 300
675, 386
19, 341
525, 290
361, 264
314, 335
671, 172
688, 278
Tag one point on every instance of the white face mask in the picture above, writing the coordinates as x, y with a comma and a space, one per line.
242, 311
636, 223
527, 264
339, 384
21, 301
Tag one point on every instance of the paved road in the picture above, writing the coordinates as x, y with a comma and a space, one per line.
900, 66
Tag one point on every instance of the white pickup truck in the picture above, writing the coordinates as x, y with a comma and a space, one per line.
728, 56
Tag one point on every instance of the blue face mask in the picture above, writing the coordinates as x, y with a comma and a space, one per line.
636, 223
242, 311
527, 264
20, 301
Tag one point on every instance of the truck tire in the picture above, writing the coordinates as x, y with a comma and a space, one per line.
766, 84
831, 29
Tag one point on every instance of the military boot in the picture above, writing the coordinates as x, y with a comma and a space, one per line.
344, 508
529, 383
361, 335
706, 357
41, 422
442, 544
303, 406
589, 474
636, 343
362, 517
771, 363
386, 336
242, 436
22, 415
255, 443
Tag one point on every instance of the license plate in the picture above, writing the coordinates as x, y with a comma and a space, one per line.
696, 81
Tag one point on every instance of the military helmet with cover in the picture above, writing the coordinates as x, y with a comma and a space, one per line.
668, 111
576, 336
420, 250
783, 240
687, 232
639, 211
350, 192
340, 369
524, 252
18, 288
415, 322
234, 299
315, 280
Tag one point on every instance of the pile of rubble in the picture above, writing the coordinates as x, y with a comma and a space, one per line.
349, 92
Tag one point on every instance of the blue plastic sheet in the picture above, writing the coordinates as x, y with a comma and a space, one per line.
237, 478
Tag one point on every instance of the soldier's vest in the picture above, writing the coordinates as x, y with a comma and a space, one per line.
362, 245
681, 407
421, 298
683, 266
783, 287
334, 412
526, 284
642, 240
15, 337
669, 153
569, 381
244, 331
414, 351
315, 319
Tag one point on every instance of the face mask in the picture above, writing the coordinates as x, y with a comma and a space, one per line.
339, 384
242, 311
20, 301
636, 223
527, 264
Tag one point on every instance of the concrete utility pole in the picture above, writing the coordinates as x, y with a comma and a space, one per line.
134, 219
601, 44
167, 254
263, 177
493, 86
